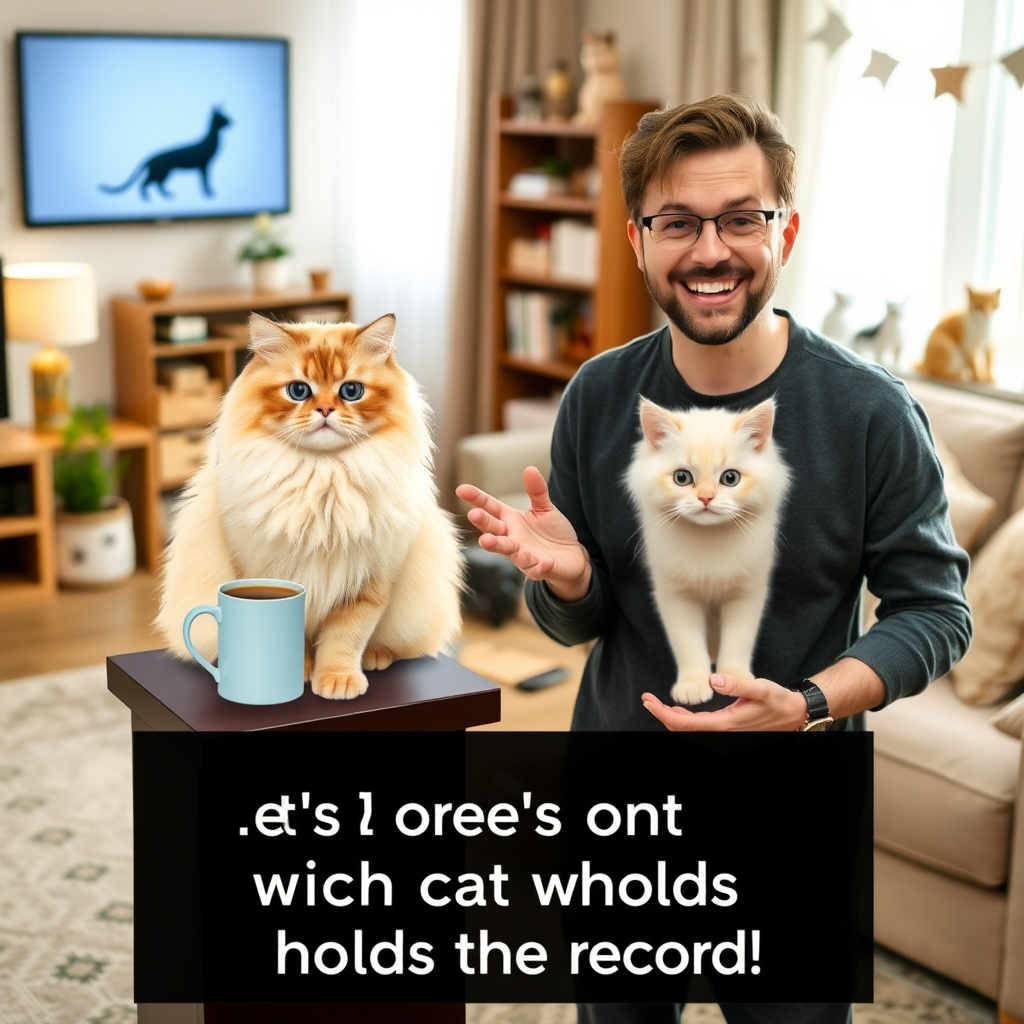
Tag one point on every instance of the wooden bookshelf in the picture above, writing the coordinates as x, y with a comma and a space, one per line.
613, 301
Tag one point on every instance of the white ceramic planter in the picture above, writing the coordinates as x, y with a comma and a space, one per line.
270, 275
96, 548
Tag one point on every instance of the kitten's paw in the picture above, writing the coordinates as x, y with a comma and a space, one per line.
338, 684
376, 658
692, 691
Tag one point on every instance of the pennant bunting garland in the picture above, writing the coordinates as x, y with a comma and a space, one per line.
881, 66
950, 79
833, 33
1014, 63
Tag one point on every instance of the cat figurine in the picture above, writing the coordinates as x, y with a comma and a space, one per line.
836, 326
883, 343
319, 470
708, 485
960, 346
194, 157
602, 81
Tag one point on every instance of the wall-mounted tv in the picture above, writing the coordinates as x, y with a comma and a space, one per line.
118, 128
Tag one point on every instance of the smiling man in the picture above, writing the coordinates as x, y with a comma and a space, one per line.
710, 192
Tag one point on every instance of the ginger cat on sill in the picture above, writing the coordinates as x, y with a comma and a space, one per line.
960, 346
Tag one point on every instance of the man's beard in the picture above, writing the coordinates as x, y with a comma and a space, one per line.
705, 328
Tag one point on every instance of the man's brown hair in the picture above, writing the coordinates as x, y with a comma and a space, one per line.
719, 122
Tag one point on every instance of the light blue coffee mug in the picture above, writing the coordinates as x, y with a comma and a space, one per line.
260, 640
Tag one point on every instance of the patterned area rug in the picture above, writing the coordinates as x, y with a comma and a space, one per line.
66, 876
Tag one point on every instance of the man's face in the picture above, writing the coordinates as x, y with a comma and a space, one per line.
712, 292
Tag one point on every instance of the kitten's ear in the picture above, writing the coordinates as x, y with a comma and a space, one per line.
655, 422
266, 337
756, 424
378, 338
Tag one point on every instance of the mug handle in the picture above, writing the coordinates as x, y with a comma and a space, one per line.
186, 628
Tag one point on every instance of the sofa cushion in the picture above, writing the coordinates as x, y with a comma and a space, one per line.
969, 509
986, 435
1010, 718
945, 784
993, 667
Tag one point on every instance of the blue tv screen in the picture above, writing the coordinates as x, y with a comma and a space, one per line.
118, 128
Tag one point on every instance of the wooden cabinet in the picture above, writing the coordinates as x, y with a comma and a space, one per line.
544, 323
27, 561
156, 379
28, 569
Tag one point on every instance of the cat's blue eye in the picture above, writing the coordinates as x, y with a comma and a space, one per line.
298, 390
682, 477
352, 391
730, 478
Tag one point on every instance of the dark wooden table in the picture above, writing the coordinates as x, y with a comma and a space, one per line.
168, 695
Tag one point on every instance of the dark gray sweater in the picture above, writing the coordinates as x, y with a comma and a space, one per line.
866, 500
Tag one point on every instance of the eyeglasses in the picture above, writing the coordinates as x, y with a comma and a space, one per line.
736, 228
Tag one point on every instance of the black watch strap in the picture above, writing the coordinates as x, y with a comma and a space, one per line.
818, 714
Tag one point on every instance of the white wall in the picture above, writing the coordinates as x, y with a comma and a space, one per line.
197, 255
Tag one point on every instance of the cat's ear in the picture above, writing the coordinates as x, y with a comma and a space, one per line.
378, 338
756, 424
266, 337
655, 422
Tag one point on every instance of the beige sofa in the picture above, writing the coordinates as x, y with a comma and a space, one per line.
949, 845
949, 821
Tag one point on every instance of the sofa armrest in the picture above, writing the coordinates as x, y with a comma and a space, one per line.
1011, 994
495, 462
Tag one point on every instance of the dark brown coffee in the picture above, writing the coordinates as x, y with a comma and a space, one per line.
261, 592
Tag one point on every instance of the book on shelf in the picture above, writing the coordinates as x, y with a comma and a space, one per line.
574, 250
540, 325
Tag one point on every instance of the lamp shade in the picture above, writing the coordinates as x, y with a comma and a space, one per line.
52, 303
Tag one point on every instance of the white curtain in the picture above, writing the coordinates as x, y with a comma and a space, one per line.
726, 45
397, 77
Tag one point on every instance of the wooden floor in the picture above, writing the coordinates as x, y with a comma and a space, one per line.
81, 628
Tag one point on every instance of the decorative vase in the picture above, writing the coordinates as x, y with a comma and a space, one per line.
96, 548
270, 275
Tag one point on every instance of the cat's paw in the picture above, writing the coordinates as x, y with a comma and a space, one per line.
692, 691
376, 658
338, 684
309, 660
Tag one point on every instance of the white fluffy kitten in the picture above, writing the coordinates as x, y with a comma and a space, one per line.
708, 485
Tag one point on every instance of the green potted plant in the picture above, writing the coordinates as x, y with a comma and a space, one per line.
267, 253
95, 538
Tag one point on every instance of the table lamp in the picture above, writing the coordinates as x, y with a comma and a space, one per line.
55, 304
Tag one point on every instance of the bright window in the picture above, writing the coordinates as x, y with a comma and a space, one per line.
913, 195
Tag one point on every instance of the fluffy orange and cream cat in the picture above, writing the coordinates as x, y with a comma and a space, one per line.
602, 80
960, 346
319, 470
708, 485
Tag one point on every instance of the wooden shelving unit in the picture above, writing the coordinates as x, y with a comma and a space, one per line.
139, 354
28, 566
618, 302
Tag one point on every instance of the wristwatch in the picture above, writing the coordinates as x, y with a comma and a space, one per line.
818, 716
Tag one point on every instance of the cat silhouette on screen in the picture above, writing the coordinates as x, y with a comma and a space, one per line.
195, 157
